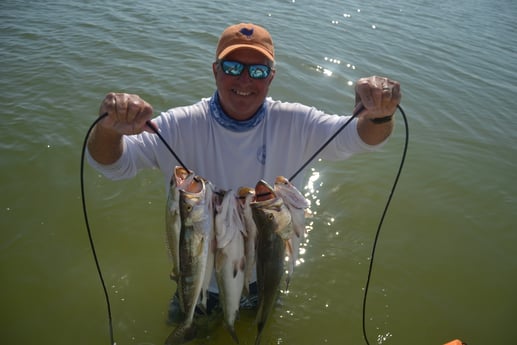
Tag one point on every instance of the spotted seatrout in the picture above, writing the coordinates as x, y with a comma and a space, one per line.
274, 228
196, 236
298, 206
180, 179
230, 260
246, 196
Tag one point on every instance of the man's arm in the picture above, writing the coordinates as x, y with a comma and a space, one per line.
374, 133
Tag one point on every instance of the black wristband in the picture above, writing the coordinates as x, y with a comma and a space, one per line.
379, 120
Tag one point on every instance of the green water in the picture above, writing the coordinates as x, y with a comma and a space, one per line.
445, 265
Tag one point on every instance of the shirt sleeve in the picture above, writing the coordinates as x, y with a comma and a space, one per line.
313, 128
134, 158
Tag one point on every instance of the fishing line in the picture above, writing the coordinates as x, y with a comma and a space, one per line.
90, 237
374, 246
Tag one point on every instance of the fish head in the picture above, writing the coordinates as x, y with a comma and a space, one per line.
269, 210
281, 180
194, 201
291, 195
245, 195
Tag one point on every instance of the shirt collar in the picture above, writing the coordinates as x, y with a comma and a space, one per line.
227, 122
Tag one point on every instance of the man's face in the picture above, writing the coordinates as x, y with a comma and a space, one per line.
241, 96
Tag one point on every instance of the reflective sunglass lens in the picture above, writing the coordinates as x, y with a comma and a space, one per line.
232, 67
235, 68
259, 71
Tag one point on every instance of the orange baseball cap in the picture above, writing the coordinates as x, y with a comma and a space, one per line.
245, 35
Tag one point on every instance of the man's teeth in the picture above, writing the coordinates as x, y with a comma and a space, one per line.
242, 93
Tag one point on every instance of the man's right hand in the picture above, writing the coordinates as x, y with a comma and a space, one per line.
127, 113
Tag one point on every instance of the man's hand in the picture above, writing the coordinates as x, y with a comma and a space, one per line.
127, 114
378, 95
378, 98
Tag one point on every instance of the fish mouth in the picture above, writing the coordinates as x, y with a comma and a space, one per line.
195, 186
263, 191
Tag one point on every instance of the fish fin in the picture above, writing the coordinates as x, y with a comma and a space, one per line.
235, 269
201, 305
245, 289
238, 266
182, 334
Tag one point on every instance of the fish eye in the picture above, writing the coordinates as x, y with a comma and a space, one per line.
270, 216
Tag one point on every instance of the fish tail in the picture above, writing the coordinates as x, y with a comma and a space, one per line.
182, 334
260, 327
231, 330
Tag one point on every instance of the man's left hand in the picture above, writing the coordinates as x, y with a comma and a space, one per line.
378, 95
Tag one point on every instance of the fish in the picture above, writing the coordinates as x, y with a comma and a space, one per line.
246, 195
297, 205
230, 259
274, 228
211, 251
181, 178
196, 234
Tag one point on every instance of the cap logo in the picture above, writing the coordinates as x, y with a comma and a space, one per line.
247, 32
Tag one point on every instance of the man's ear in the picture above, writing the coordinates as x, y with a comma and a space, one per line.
272, 76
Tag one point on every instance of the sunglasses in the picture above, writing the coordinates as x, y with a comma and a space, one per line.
235, 68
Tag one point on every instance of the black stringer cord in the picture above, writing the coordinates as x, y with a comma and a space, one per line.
92, 245
370, 268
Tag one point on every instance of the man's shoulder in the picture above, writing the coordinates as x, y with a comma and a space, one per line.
199, 108
286, 108
292, 111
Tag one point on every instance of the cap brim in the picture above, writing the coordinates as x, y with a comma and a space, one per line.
230, 49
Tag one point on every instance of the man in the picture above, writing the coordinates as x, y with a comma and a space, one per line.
238, 136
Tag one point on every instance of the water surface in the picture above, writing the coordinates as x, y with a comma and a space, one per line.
445, 263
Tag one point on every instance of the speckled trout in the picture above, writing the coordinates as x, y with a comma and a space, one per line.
196, 236
274, 228
180, 179
230, 260
298, 206
246, 196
